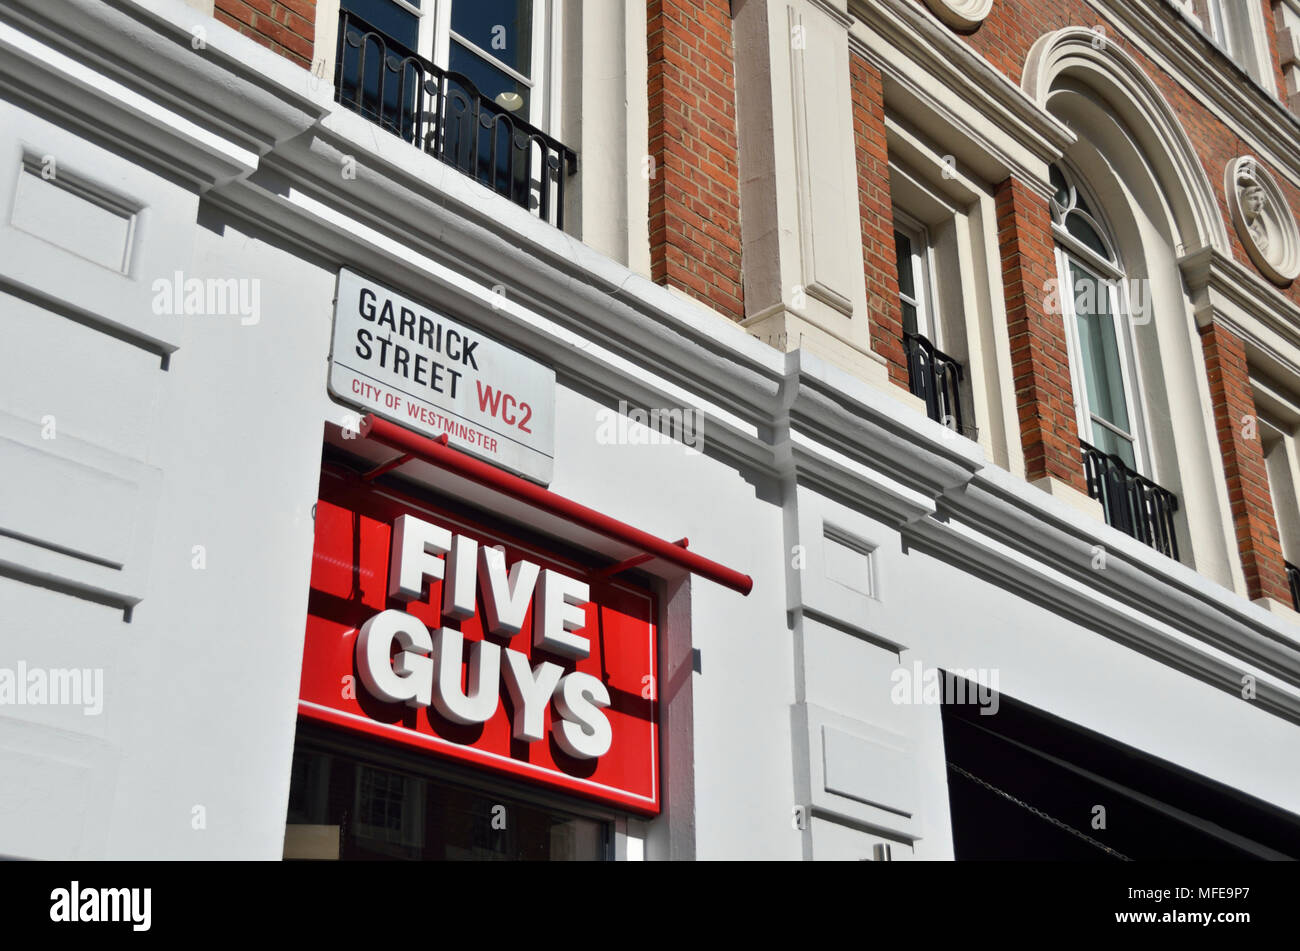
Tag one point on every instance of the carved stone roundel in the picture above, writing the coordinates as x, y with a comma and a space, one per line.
1263, 220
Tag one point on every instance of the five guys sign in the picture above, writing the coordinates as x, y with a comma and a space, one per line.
434, 631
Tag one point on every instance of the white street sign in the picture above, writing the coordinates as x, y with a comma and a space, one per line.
410, 364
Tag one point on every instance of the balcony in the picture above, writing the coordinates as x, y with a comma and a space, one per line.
442, 113
936, 378
1133, 503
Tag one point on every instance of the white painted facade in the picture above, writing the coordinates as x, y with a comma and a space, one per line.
160, 470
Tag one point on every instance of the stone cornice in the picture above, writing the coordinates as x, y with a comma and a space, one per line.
430, 231
1226, 292
944, 496
37, 76
825, 409
164, 76
1263, 121
436, 234
910, 34
832, 10
1212, 643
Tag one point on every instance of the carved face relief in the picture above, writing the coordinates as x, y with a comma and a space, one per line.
1253, 202
1263, 220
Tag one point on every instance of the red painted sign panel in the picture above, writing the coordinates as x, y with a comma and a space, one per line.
550, 722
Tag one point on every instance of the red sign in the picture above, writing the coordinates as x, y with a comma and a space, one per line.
543, 687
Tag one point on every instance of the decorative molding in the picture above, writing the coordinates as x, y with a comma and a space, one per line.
835, 13
1225, 291
212, 112
1176, 46
1248, 39
432, 230
1263, 220
186, 151
94, 543
1188, 9
987, 530
816, 204
877, 764
830, 297
1104, 66
944, 496
971, 97
964, 15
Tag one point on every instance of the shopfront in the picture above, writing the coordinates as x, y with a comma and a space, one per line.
481, 660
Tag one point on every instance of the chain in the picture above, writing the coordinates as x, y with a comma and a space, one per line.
1038, 812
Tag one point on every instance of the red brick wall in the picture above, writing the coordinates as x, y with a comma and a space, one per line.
1012, 27
1040, 362
1042, 383
286, 26
695, 191
1243, 463
876, 212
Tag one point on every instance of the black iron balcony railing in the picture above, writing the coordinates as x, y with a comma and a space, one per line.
936, 378
1293, 579
1133, 503
444, 114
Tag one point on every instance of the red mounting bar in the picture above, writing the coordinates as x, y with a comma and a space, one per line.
436, 452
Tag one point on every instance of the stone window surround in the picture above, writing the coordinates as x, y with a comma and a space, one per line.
1195, 223
1070, 252
1249, 45
1279, 432
959, 213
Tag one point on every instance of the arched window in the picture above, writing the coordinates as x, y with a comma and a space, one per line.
1094, 301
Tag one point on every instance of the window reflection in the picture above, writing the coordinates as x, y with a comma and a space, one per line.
346, 808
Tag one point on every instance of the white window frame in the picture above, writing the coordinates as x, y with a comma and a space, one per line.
411, 835
1218, 28
1070, 249
1278, 415
1240, 29
927, 318
1214, 24
1277, 446
543, 109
